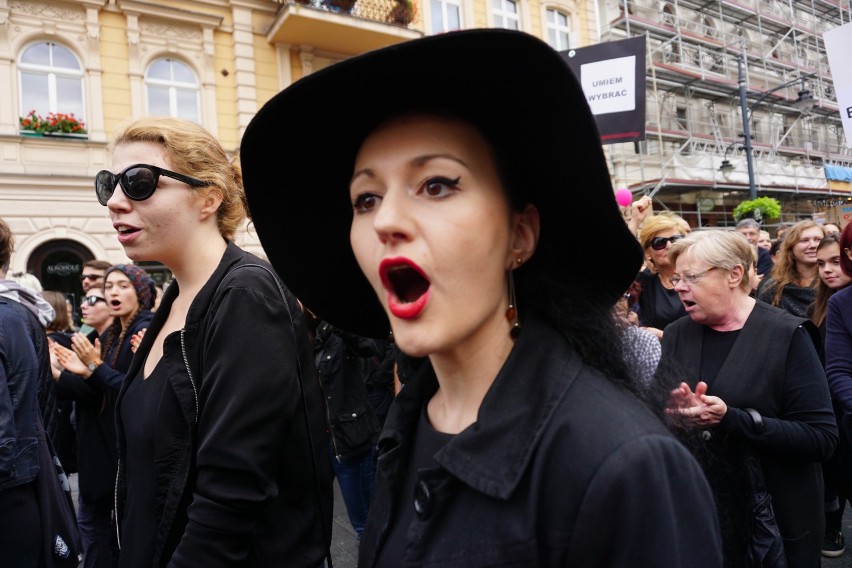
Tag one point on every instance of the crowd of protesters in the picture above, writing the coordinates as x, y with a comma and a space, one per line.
421, 333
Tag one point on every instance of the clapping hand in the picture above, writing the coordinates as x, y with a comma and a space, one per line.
695, 409
69, 361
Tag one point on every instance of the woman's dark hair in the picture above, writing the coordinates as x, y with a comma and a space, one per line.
846, 244
820, 305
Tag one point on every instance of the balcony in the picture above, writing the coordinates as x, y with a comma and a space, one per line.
342, 26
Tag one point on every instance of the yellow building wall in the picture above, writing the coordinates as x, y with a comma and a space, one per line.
226, 96
114, 62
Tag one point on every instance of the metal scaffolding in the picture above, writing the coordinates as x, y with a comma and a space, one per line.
694, 119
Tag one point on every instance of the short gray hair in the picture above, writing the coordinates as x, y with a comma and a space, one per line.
719, 248
748, 223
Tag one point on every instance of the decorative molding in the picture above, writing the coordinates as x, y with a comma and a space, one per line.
143, 8
170, 32
47, 10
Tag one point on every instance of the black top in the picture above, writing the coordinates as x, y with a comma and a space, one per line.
658, 306
140, 521
427, 442
714, 351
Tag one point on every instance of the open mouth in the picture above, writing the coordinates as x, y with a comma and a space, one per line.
115, 303
407, 286
406, 283
688, 303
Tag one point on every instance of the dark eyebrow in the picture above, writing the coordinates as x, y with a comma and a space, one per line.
418, 161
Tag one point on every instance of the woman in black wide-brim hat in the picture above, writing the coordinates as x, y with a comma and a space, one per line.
455, 188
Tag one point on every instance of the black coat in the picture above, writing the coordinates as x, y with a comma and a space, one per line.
343, 366
773, 368
235, 460
562, 468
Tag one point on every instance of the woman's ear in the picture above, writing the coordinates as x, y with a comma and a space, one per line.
526, 227
735, 276
210, 202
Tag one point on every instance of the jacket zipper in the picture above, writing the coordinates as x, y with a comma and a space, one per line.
188, 372
115, 505
328, 421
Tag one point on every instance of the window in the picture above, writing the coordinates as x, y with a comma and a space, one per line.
446, 15
506, 14
172, 90
51, 80
682, 122
558, 29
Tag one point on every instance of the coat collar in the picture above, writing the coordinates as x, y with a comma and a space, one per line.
492, 454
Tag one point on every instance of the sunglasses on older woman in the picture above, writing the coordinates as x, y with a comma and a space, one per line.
659, 243
138, 182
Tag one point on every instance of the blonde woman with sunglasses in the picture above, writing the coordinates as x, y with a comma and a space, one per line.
222, 455
658, 302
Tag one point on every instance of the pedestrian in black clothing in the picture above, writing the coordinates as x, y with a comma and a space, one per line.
223, 460
519, 442
356, 374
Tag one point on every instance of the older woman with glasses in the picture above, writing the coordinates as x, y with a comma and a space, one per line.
658, 302
753, 388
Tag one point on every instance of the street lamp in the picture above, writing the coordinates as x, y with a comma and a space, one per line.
727, 166
804, 103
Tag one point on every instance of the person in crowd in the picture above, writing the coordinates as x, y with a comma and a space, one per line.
60, 328
838, 360
345, 363
20, 379
781, 232
223, 456
750, 229
93, 274
773, 250
91, 277
830, 228
792, 282
837, 471
57, 415
640, 348
658, 302
27, 280
519, 440
764, 241
753, 383
91, 376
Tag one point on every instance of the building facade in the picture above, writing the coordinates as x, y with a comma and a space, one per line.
694, 105
215, 62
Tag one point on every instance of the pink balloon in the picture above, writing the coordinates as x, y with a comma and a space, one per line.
624, 197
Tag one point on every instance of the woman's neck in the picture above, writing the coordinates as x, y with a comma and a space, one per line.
464, 377
664, 273
736, 318
806, 274
193, 268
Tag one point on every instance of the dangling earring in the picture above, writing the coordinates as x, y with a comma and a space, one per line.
512, 311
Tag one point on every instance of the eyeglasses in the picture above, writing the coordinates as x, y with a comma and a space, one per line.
138, 182
91, 276
690, 278
92, 300
659, 243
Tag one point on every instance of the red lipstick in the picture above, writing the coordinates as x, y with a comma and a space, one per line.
407, 286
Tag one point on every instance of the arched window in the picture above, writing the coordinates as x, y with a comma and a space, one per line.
558, 29
51, 80
506, 14
446, 15
172, 90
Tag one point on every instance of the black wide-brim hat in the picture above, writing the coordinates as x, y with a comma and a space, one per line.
299, 151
